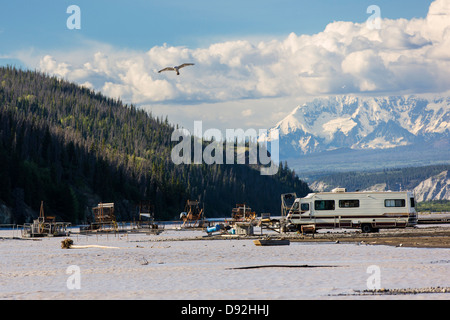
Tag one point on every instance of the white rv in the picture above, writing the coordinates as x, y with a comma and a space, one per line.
369, 211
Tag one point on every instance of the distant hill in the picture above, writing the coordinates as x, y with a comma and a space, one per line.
435, 188
429, 183
72, 148
315, 165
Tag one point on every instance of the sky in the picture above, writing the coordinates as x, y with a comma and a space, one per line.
255, 61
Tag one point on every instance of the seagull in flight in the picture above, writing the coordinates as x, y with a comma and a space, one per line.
177, 68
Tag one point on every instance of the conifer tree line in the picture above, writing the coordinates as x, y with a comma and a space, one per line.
72, 147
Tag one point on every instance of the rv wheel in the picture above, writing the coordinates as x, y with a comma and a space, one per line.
366, 228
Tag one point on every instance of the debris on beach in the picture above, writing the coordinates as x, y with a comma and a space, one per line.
217, 228
144, 261
283, 266
68, 244
271, 242
384, 291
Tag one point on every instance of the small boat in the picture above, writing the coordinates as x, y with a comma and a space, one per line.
272, 242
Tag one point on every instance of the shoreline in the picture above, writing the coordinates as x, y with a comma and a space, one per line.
433, 237
430, 237
425, 237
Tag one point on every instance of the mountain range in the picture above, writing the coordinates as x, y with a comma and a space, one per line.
342, 132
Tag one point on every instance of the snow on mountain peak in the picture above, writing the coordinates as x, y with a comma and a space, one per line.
291, 123
363, 123
344, 124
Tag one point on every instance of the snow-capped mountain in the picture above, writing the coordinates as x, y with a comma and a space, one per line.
363, 123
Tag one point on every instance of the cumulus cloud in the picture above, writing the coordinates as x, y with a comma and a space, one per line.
48, 64
403, 56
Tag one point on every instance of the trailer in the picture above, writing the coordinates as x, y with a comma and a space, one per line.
368, 211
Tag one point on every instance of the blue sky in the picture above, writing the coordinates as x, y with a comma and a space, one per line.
255, 61
141, 24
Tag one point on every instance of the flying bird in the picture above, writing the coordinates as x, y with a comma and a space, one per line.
177, 68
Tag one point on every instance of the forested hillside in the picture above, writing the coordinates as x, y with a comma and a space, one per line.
72, 148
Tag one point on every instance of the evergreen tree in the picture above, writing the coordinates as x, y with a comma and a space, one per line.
70, 147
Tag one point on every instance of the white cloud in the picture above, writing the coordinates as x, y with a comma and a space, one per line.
247, 112
404, 56
87, 85
49, 65
367, 69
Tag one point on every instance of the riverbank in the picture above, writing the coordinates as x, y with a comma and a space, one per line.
420, 237
431, 237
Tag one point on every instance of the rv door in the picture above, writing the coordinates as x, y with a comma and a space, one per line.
412, 218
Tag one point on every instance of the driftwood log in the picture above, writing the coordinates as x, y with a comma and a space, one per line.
68, 244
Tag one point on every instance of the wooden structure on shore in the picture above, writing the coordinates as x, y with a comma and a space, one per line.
193, 215
147, 217
287, 201
104, 213
104, 217
45, 227
242, 213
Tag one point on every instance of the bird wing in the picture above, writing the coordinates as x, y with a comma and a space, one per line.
167, 69
185, 65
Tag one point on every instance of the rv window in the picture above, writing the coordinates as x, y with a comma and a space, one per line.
394, 203
324, 205
305, 207
348, 203
413, 202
